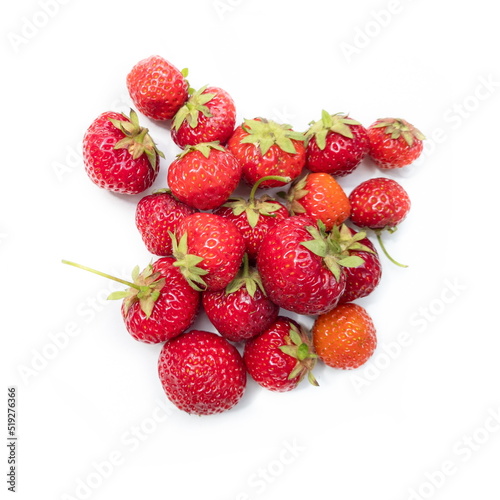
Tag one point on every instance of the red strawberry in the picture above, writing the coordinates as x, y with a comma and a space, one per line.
204, 176
119, 154
301, 267
156, 215
379, 204
336, 144
254, 217
394, 143
157, 88
208, 115
209, 250
279, 358
321, 197
202, 373
344, 337
267, 148
242, 310
159, 305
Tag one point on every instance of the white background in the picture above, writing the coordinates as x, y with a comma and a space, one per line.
419, 420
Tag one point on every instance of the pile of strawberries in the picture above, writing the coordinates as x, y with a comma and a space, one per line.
243, 260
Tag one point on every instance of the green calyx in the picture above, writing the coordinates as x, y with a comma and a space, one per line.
298, 346
191, 110
267, 133
188, 263
338, 123
334, 247
296, 192
247, 277
397, 127
254, 208
145, 287
203, 147
137, 140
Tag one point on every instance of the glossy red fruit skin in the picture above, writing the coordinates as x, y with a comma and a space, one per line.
293, 277
156, 214
342, 155
238, 316
274, 162
202, 373
204, 183
362, 280
157, 88
253, 236
379, 203
266, 363
173, 312
219, 242
218, 127
114, 169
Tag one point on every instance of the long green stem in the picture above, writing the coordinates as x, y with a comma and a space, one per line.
104, 275
263, 179
381, 243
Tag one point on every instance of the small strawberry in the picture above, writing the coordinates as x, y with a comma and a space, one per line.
279, 358
209, 250
156, 215
159, 304
157, 88
302, 267
336, 144
254, 217
242, 310
208, 115
204, 176
321, 197
379, 204
202, 373
119, 155
345, 337
394, 143
266, 148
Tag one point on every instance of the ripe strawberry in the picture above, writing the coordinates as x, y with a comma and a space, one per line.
394, 143
209, 250
321, 197
279, 358
379, 204
159, 304
119, 154
266, 148
254, 217
242, 310
345, 337
157, 88
301, 267
204, 176
208, 115
202, 373
336, 144
156, 215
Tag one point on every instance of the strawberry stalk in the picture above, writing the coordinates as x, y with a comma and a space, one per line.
263, 179
104, 275
386, 253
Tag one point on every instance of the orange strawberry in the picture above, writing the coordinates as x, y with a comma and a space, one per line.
345, 337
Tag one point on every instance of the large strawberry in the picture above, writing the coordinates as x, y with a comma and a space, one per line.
242, 310
204, 176
264, 148
158, 305
157, 88
208, 115
202, 373
302, 267
336, 144
255, 216
209, 250
119, 155
280, 357
321, 197
156, 215
394, 143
